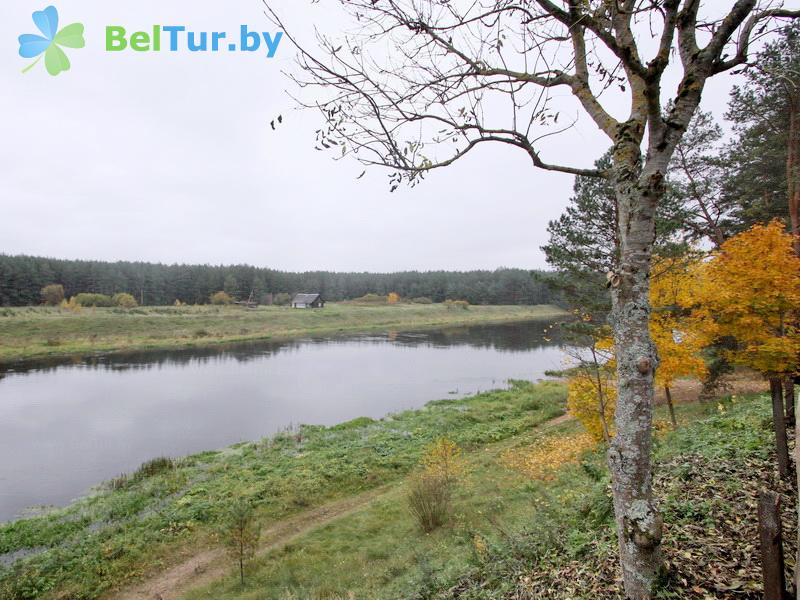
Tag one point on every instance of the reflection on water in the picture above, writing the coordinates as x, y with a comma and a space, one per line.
67, 425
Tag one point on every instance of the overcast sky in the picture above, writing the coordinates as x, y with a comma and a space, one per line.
169, 157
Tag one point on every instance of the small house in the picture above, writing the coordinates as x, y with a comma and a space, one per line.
308, 301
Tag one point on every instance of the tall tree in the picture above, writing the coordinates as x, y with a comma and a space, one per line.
425, 82
766, 156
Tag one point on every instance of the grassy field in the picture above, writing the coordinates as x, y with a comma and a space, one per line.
138, 524
35, 333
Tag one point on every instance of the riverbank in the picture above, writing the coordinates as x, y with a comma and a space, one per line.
141, 523
533, 520
531, 513
35, 333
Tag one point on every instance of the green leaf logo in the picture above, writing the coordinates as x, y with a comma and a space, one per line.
51, 41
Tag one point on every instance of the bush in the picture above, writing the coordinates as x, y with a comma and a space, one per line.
154, 467
53, 294
393, 298
124, 300
282, 299
429, 496
371, 299
221, 298
456, 304
422, 300
430, 492
98, 300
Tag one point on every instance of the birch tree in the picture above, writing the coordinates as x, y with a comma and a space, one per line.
420, 84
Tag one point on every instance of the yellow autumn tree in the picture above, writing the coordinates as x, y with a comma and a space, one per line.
679, 337
393, 298
750, 290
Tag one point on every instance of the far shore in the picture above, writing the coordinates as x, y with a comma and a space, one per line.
30, 334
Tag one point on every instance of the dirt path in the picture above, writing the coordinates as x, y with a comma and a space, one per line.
205, 567
210, 565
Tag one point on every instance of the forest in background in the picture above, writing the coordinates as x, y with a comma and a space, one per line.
23, 277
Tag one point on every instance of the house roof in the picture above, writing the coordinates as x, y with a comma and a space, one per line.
305, 298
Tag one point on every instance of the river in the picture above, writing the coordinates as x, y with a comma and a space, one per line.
69, 426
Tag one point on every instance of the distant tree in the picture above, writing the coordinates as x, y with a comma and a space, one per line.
231, 285
393, 298
241, 534
53, 294
221, 298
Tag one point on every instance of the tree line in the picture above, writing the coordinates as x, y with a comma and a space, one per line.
22, 279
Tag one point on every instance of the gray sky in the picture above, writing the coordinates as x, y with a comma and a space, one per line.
169, 157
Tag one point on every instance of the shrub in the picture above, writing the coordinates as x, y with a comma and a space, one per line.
393, 298
371, 299
71, 305
53, 294
99, 300
422, 300
456, 304
430, 492
282, 299
221, 298
429, 496
154, 467
124, 300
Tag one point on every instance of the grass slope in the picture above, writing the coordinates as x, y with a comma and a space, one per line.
553, 536
32, 333
157, 516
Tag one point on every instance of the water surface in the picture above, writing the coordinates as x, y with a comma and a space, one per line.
68, 427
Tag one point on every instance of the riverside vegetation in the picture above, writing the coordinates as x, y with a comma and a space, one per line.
40, 332
528, 514
136, 524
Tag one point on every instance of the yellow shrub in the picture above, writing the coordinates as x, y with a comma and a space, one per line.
443, 458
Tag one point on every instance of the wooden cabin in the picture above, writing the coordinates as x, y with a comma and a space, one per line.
308, 301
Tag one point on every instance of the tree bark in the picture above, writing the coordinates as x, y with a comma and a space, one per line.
779, 424
769, 526
671, 407
639, 524
788, 401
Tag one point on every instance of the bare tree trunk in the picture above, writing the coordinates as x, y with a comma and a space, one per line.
629, 457
779, 424
671, 407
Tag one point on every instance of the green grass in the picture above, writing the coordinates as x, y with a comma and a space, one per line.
140, 523
34, 333
516, 537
